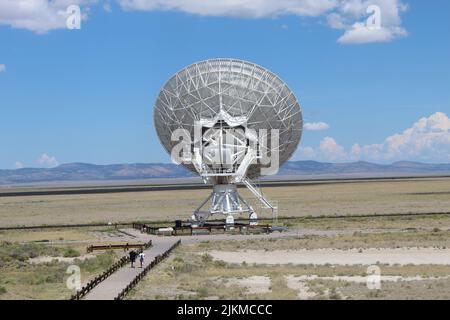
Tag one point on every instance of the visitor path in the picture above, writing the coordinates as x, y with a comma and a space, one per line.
114, 284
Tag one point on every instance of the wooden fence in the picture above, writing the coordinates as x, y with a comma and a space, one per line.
125, 246
189, 230
67, 226
144, 272
94, 282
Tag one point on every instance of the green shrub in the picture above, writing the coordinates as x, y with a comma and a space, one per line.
184, 267
178, 259
202, 292
220, 263
70, 253
102, 262
207, 258
14, 252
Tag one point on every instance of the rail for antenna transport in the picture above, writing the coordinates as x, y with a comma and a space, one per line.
189, 230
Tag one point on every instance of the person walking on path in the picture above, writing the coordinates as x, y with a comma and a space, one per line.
133, 255
141, 258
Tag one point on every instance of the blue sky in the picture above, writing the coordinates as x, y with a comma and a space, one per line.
87, 95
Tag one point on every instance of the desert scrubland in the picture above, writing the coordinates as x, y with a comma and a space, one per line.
374, 197
401, 227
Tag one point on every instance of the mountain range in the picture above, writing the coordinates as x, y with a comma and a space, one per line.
78, 172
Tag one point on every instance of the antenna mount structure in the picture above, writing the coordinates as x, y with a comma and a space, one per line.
239, 121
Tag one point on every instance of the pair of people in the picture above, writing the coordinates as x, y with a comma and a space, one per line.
134, 254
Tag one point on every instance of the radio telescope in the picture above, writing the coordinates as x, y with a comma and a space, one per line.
230, 121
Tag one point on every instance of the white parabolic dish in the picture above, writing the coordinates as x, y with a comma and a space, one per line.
241, 90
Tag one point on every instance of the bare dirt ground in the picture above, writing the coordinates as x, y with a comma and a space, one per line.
313, 286
318, 258
49, 259
253, 284
304, 263
283, 276
33, 263
399, 256
330, 261
374, 197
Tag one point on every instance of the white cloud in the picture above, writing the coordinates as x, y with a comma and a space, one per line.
348, 15
47, 161
336, 21
316, 126
107, 7
18, 165
307, 153
39, 16
426, 140
359, 34
363, 30
235, 8
2, 67
328, 150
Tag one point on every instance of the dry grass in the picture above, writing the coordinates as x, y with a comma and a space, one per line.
191, 274
20, 279
439, 239
69, 209
188, 276
377, 197
422, 289
46, 235
397, 222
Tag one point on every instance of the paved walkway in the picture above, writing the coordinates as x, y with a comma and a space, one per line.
114, 284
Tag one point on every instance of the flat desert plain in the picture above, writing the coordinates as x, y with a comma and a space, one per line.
397, 196
400, 227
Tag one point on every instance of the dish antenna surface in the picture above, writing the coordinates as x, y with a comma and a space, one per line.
230, 121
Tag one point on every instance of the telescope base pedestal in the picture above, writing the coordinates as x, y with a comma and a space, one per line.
224, 200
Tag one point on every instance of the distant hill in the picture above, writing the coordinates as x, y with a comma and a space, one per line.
73, 172
361, 167
92, 172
